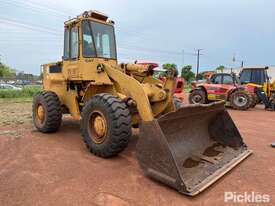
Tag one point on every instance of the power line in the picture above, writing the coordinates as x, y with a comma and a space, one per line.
7, 21
33, 6
129, 47
56, 34
30, 9
36, 7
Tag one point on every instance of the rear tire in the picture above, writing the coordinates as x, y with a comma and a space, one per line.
240, 100
114, 131
47, 114
197, 96
177, 103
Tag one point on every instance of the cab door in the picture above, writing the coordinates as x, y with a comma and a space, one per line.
213, 88
71, 53
226, 86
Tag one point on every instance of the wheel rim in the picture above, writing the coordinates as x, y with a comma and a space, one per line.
97, 127
240, 100
40, 113
197, 98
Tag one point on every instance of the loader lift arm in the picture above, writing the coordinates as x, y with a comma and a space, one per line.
139, 93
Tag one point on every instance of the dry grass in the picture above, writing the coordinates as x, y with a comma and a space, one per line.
15, 113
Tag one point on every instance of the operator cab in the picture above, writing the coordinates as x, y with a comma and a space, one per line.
257, 75
90, 35
224, 78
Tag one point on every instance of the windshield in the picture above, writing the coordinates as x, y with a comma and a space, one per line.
245, 76
257, 76
101, 43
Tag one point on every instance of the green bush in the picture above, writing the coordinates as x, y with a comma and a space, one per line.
187, 88
28, 91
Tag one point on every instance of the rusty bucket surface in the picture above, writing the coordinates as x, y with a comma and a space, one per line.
191, 148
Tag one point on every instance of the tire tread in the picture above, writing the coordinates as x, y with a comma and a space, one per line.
245, 107
120, 125
53, 113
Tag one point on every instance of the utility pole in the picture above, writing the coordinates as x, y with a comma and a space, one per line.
198, 62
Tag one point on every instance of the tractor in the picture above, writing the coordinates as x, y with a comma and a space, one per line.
223, 86
256, 79
187, 148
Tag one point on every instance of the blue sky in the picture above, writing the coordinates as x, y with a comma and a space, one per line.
32, 30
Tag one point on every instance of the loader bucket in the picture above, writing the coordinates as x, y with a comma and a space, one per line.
191, 148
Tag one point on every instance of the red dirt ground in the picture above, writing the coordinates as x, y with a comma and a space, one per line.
56, 169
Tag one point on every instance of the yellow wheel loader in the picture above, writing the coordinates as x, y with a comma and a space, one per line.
185, 147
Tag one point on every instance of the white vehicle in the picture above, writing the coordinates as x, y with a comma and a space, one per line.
8, 86
11, 82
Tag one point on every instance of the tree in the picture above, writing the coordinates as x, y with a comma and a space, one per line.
1, 71
220, 68
6, 71
169, 66
200, 76
187, 73
205, 75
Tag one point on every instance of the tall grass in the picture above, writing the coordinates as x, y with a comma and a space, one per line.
28, 91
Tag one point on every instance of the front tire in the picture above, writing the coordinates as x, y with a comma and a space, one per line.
197, 96
47, 114
240, 100
105, 125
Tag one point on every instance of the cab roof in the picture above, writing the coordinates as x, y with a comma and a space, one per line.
255, 67
93, 15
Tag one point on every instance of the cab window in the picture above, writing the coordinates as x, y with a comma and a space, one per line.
66, 44
98, 40
71, 43
257, 76
227, 79
245, 76
104, 38
74, 43
88, 44
217, 79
